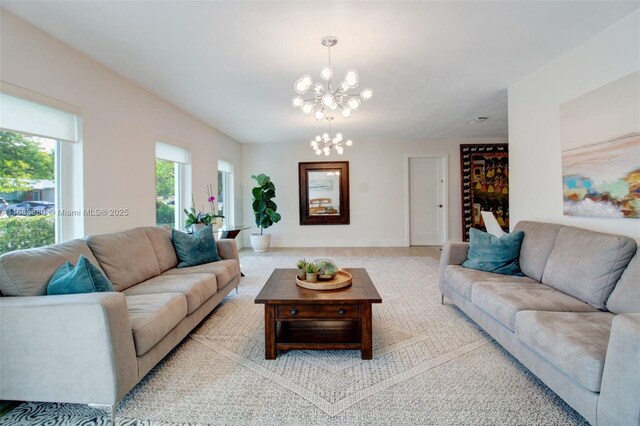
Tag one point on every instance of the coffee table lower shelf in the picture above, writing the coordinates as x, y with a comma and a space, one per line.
318, 335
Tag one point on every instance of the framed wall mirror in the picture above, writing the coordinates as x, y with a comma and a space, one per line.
324, 193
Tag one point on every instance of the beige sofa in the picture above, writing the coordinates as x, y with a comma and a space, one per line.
573, 319
93, 348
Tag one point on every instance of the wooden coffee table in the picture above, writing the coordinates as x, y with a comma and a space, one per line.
298, 318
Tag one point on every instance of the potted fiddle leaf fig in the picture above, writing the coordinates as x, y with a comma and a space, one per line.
264, 210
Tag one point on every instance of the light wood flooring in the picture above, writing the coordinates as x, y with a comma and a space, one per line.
328, 252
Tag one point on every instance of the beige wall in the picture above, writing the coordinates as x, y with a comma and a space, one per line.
534, 124
378, 178
121, 123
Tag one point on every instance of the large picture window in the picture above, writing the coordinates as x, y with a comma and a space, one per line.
36, 149
172, 179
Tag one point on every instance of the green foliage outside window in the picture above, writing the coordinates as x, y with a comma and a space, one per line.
165, 179
165, 215
22, 160
18, 233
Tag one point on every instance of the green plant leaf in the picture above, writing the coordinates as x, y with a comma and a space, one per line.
257, 193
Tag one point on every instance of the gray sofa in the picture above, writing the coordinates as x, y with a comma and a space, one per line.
93, 348
573, 319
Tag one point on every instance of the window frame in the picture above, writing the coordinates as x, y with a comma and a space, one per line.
226, 169
181, 159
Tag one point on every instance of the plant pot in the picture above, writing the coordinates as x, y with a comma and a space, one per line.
312, 277
302, 274
260, 243
197, 227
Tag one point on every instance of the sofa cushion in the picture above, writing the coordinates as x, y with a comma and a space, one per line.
82, 278
153, 316
126, 257
587, 264
197, 288
462, 279
503, 302
576, 343
27, 272
492, 254
160, 238
539, 239
195, 249
224, 270
625, 298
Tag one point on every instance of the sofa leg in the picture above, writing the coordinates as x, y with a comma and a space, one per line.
236, 289
442, 299
110, 408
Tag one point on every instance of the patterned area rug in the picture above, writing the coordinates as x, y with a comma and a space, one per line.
432, 365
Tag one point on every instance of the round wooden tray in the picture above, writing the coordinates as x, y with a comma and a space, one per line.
342, 279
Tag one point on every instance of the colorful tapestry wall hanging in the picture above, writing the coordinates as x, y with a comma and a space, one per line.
485, 185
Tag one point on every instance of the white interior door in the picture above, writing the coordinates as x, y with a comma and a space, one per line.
427, 212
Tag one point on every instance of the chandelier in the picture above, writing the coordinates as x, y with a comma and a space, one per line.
325, 96
323, 143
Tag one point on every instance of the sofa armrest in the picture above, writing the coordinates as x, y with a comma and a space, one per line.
453, 253
227, 249
71, 348
619, 401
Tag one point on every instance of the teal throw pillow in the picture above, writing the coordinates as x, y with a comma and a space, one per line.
492, 254
195, 249
83, 278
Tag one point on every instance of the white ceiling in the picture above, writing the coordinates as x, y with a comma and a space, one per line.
433, 65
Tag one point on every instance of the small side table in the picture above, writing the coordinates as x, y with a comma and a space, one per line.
230, 231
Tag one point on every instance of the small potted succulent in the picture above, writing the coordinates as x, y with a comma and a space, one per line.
302, 269
327, 269
312, 272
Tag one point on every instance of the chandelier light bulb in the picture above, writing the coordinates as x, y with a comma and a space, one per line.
346, 112
314, 144
339, 137
306, 80
326, 150
334, 105
318, 88
318, 151
340, 150
325, 136
349, 142
326, 73
327, 100
354, 103
344, 86
307, 107
351, 78
366, 94
297, 102
319, 114
318, 138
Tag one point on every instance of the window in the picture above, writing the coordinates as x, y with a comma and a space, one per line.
172, 172
225, 190
36, 146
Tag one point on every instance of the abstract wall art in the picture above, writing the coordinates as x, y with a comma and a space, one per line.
485, 185
600, 139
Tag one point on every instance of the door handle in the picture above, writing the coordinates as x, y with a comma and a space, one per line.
440, 205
